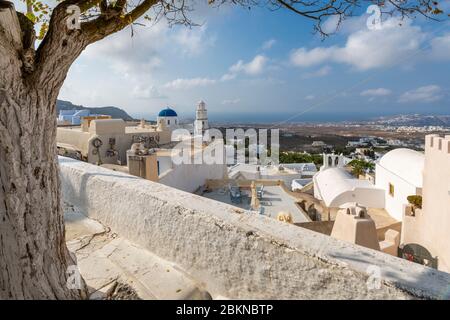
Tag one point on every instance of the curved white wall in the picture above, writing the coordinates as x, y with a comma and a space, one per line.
367, 197
402, 189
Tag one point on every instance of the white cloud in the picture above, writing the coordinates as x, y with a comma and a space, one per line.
138, 54
366, 49
323, 71
71, 91
378, 92
228, 76
440, 47
131, 55
430, 93
306, 58
254, 67
150, 92
189, 83
347, 26
231, 101
269, 44
331, 25
193, 41
310, 97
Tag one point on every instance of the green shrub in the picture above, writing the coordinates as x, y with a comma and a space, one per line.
415, 201
360, 166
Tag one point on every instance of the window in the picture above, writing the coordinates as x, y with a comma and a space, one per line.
391, 189
168, 122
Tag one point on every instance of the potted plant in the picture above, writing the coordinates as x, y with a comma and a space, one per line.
415, 201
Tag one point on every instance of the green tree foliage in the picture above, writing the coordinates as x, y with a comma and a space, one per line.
361, 166
299, 157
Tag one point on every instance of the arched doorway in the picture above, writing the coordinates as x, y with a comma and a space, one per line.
416, 253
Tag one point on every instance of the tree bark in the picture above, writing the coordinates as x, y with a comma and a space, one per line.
34, 260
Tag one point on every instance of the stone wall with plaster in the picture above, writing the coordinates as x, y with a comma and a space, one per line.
189, 177
429, 226
233, 253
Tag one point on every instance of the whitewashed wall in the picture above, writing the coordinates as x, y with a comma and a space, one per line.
402, 189
189, 177
237, 254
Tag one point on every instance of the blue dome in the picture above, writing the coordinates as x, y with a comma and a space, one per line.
167, 112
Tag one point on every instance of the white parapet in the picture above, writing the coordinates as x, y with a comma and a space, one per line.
235, 253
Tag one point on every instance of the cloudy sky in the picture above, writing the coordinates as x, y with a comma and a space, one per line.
245, 62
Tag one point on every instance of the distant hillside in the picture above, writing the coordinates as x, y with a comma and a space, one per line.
114, 112
415, 120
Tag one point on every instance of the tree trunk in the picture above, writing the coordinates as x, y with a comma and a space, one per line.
34, 260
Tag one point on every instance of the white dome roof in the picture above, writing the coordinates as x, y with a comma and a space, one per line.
333, 183
405, 163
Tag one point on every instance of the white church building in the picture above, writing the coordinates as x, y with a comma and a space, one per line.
168, 118
400, 174
335, 186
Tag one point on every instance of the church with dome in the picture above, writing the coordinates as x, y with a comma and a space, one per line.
115, 136
168, 120
168, 117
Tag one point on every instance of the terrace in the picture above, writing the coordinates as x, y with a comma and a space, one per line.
273, 200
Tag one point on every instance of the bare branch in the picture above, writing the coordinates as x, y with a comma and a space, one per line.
107, 24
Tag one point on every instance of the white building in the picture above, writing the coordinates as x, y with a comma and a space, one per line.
168, 117
284, 172
318, 144
426, 229
299, 184
335, 186
307, 170
399, 172
334, 160
201, 119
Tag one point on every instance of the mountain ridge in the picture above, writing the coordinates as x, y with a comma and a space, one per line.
114, 112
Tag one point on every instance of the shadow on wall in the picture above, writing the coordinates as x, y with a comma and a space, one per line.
408, 282
81, 192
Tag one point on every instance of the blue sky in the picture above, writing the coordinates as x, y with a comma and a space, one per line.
258, 62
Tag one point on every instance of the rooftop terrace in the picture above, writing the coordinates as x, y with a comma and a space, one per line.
273, 201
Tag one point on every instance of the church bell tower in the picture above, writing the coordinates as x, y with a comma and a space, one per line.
201, 119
